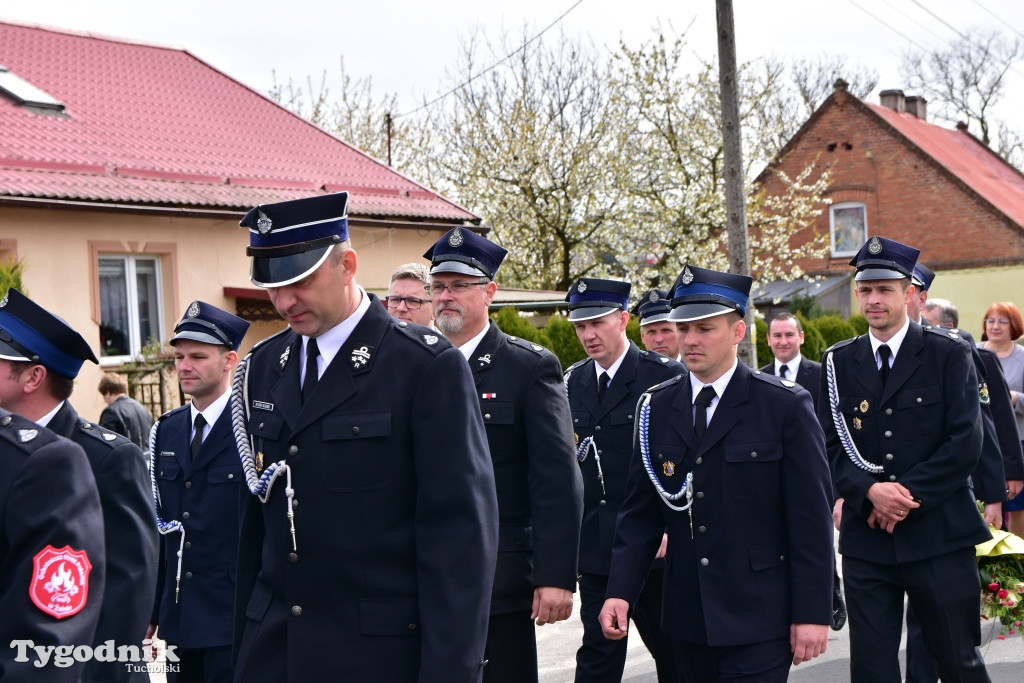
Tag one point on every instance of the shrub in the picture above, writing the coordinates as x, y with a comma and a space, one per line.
834, 329
510, 322
859, 323
564, 342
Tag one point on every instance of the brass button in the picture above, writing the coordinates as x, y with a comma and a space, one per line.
293, 449
293, 557
296, 611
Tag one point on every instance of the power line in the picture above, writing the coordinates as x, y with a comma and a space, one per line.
891, 28
966, 39
998, 18
494, 66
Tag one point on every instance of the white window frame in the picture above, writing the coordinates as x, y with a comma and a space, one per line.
134, 343
832, 228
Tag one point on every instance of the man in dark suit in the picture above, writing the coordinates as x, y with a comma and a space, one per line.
746, 595
903, 436
603, 391
124, 414
384, 571
49, 517
197, 472
40, 380
785, 337
529, 435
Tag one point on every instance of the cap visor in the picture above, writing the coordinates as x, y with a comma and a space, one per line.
878, 274
8, 352
285, 270
457, 267
656, 318
590, 312
687, 312
195, 335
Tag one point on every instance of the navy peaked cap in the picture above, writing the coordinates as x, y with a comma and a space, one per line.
591, 298
700, 293
884, 259
28, 332
206, 323
289, 240
464, 251
922, 276
653, 307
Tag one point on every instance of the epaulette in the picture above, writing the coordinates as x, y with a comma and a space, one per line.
172, 411
266, 340
669, 382
947, 333
101, 434
427, 338
569, 370
789, 384
524, 344
655, 358
841, 344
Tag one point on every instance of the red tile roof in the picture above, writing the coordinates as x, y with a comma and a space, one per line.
965, 157
156, 126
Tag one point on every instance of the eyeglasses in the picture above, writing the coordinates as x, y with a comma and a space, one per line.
455, 288
993, 321
411, 302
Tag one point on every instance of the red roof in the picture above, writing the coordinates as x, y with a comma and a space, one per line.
966, 157
156, 126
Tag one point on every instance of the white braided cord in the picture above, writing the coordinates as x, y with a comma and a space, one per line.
164, 527
837, 419
643, 426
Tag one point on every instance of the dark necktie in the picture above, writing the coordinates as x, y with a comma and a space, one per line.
309, 381
602, 386
197, 440
883, 355
783, 370
700, 415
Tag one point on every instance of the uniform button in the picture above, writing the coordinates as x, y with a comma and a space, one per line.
888, 411
629, 417
293, 557
700, 461
231, 476
661, 456
188, 484
575, 420
6, 421
700, 494
702, 529
161, 473
704, 562
355, 430
782, 558
293, 449
89, 426
184, 515
188, 575
295, 503
888, 456
487, 416
919, 399
604, 502
753, 454
412, 627
188, 545
892, 477
261, 425
888, 432
600, 452
296, 611
597, 428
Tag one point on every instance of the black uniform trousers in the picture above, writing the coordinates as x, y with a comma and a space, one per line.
767, 662
208, 665
511, 632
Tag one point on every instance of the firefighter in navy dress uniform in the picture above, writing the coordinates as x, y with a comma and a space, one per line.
603, 420
52, 356
732, 462
197, 473
368, 551
529, 433
903, 437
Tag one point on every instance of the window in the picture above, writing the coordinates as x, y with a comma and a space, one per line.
129, 304
848, 228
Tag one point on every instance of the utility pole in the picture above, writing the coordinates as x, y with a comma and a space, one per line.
735, 196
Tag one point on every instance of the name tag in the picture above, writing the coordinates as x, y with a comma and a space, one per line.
262, 405
166, 454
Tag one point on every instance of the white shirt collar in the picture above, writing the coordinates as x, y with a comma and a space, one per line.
212, 412
45, 419
793, 365
894, 342
331, 341
614, 368
469, 347
719, 384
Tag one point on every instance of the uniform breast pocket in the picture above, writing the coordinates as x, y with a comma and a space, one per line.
752, 468
167, 468
498, 412
354, 451
920, 412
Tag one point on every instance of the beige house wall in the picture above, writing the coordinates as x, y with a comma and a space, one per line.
199, 257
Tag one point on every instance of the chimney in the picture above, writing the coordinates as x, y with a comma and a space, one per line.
918, 106
893, 99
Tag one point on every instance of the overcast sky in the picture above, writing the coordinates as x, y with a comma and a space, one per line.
407, 46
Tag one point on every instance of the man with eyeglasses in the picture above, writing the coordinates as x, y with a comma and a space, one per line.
407, 297
526, 414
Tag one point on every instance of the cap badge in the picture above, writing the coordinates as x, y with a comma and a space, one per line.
669, 468
875, 247
360, 357
687, 276
26, 435
581, 287
193, 309
283, 360
456, 239
652, 297
264, 224
430, 339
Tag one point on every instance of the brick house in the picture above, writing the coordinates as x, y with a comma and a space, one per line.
898, 176
125, 168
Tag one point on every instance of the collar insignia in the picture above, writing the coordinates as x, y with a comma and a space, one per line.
26, 435
283, 360
875, 248
486, 358
193, 309
264, 224
360, 357
430, 339
687, 276
456, 239
581, 287
109, 437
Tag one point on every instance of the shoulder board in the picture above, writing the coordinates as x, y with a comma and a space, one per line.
668, 383
656, 358
840, 344
525, 344
171, 412
105, 436
263, 342
575, 366
424, 336
789, 384
947, 333
24, 434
